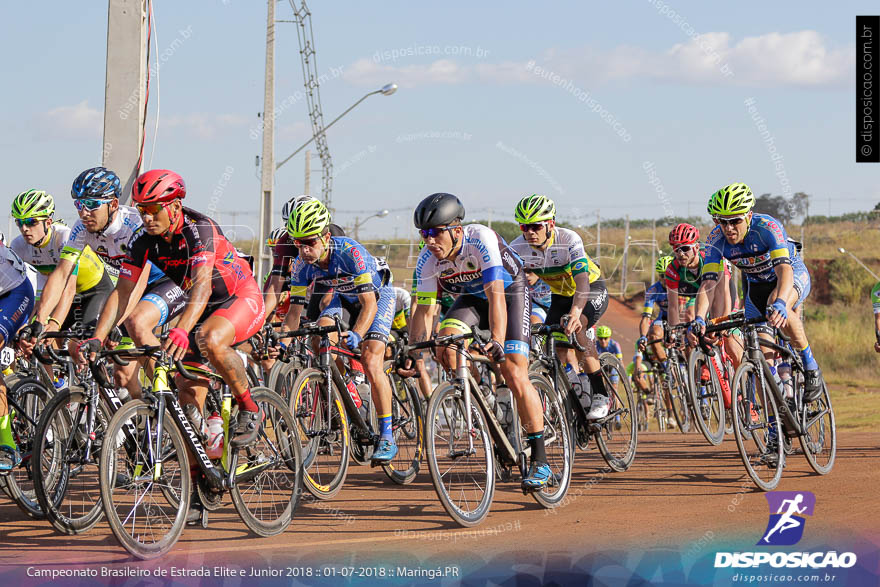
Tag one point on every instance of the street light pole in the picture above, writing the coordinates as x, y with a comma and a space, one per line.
385, 90
859, 261
358, 224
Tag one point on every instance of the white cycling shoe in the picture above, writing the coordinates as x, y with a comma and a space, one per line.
599, 408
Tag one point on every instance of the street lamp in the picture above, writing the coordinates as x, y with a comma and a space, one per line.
385, 90
358, 224
859, 261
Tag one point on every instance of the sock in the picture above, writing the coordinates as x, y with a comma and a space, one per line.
536, 443
385, 427
597, 383
246, 403
808, 358
6, 431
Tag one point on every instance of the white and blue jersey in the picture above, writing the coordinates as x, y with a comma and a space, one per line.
764, 247
18, 281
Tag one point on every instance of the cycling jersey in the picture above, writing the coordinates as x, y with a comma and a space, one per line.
684, 280
444, 298
351, 271
402, 301
483, 257
613, 348
765, 246
285, 252
111, 244
875, 297
656, 295
562, 259
17, 282
197, 243
88, 270
541, 294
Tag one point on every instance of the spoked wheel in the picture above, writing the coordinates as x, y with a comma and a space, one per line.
268, 482
282, 379
145, 496
755, 424
557, 443
678, 394
325, 448
708, 399
819, 440
32, 397
642, 414
66, 481
407, 428
618, 435
460, 459
658, 409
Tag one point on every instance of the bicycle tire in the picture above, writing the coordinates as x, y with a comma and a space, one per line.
557, 443
678, 398
407, 426
813, 442
744, 400
277, 441
619, 459
282, 377
707, 399
32, 396
439, 459
73, 482
141, 415
323, 477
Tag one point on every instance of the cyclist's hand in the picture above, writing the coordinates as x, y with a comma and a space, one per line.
87, 350
177, 343
494, 350
642, 342
695, 329
353, 340
572, 324
777, 313
408, 369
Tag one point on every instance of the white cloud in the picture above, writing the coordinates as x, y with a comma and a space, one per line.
799, 59
79, 121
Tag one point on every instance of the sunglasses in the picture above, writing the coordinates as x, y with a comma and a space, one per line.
532, 227
151, 209
434, 232
684, 249
735, 221
89, 204
307, 242
27, 221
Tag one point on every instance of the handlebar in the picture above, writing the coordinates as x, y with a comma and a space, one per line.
551, 328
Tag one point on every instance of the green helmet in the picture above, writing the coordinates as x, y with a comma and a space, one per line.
534, 208
603, 332
662, 264
33, 204
737, 198
308, 219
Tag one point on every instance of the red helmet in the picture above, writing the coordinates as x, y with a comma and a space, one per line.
158, 186
684, 234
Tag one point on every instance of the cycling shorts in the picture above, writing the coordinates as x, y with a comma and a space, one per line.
470, 311
349, 311
16, 307
87, 306
595, 307
167, 297
756, 293
539, 313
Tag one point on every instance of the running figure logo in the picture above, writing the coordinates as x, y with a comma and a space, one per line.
786, 524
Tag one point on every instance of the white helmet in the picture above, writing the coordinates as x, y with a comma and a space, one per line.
291, 205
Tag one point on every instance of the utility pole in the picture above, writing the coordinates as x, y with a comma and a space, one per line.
268, 159
124, 89
598, 237
654, 246
625, 254
308, 185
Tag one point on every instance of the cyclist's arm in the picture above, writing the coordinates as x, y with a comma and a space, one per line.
497, 309
702, 304
114, 307
581, 295
199, 295
272, 293
54, 289
369, 306
644, 324
421, 322
59, 312
721, 303
784, 281
674, 317
293, 316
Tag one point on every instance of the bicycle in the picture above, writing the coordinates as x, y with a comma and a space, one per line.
467, 445
711, 398
650, 405
148, 512
407, 416
676, 382
762, 413
617, 433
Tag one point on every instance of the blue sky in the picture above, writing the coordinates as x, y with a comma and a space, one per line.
474, 115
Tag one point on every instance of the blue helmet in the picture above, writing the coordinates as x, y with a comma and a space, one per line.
97, 182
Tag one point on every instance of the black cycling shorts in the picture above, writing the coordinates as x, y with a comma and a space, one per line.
593, 310
86, 306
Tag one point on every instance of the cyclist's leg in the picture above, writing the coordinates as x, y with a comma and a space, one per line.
16, 307
593, 311
655, 333
795, 330
373, 359
559, 307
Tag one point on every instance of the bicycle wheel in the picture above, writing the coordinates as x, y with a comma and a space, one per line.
266, 500
282, 378
406, 425
557, 443
66, 482
325, 446
755, 416
676, 387
463, 478
708, 400
642, 414
146, 512
819, 439
618, 434
32, 397
659, 407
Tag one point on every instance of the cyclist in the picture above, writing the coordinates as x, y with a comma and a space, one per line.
578, 295
40, 244
776, 279
541, 296
606, 344
475, 263
17, 283
402, 304
875, 300
361, 295
435, 316
224, 306
655, 296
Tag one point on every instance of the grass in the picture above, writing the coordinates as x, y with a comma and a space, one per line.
854, 408
842, 338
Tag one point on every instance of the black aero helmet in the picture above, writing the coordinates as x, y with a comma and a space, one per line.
97, 182
437, 210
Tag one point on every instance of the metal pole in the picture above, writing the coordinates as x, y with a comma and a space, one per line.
625, 254
598, 237
308, 186
268, 160
654, 246
124, 89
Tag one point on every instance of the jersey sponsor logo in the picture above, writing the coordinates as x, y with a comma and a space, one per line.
462, 277
198, 260
169, 262
579, 266
125, 271
481, 248
358, 259
252, 304
174, 293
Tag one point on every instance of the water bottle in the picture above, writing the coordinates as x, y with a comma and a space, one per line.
787, 387
194, 415
214, 444
363, 390
123, 394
